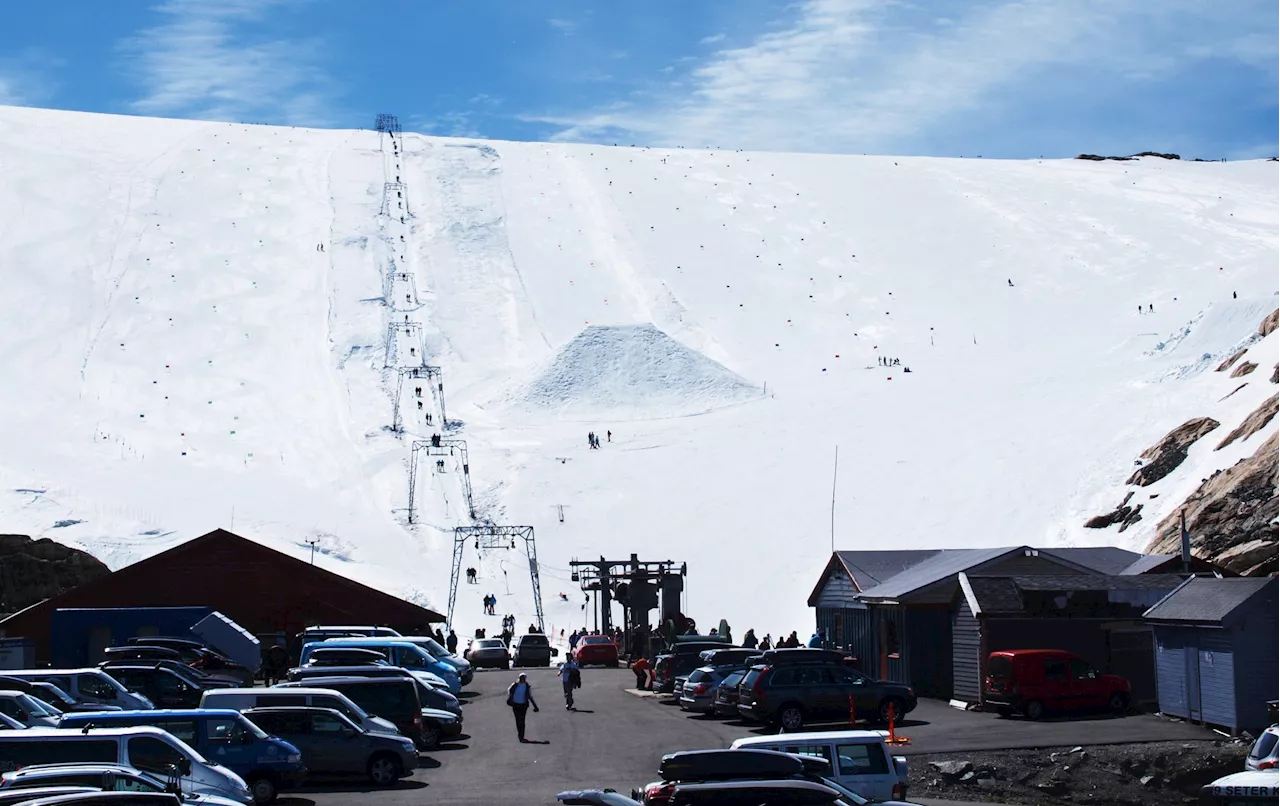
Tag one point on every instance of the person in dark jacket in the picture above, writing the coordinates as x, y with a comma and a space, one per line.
749, 640
451, 643
520, 698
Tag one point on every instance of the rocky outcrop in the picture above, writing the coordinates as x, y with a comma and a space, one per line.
1244, 369
1234, 357
1231, 516
1269, 324
1124, 515
1275, 374
1164, 457
1255, 422
33, 570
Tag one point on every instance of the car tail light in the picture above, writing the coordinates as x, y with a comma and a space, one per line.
1269, 764
757, 690
658, 793
417, 719
899, 792
701, 688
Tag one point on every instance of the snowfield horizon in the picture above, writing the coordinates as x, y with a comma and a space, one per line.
204, 323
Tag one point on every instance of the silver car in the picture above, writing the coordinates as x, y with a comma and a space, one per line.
110, 777
1263, 755
699, 690
489, 652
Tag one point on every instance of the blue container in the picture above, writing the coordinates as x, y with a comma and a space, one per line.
79, 634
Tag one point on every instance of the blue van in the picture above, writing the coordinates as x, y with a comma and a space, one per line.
399, 652
222, 735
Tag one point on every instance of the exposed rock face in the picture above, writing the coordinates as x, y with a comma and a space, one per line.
1269, 324
34, 570
1231, 517
1234, 357
1254, 423
1164, 457
1124, 515
1275, 374
1244, 369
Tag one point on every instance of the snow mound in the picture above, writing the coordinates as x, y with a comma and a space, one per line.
632, 371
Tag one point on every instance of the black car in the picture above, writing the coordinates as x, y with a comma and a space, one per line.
163, 687
736, 772
774, 657
531, 650
793, 694
431, 696
198, 656
331, 744
396, 700
726, 700
195, 677
680, 660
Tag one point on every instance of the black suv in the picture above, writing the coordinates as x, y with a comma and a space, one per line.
680, 660
791, 694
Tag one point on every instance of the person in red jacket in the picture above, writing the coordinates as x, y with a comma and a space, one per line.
642, 670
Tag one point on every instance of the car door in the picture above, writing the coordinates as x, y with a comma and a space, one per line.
1055, 692
335, 747
1085, 683
816, 690
138, 680
856, 685
221, 741
295, 728
866, 768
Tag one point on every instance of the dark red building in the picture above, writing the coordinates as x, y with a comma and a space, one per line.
263, 590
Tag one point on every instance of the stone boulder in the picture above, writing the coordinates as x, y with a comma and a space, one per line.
1164, 457
1269, 324
1244, 369
1231, 359
1124, 515
34, 570
1231, 517
1255, 422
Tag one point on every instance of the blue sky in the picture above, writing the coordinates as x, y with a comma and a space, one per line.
997, 78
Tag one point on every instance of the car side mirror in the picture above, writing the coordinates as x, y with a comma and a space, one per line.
184, 766
349, 733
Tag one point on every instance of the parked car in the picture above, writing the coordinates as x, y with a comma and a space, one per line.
1263, 755
399, 653
442, 653
1035, 681
146, 748
531, 649
96, 778
14, 797
596, 650
346, 656
110, 799
395, 699
860, 760
726, 699
683, 658
732, 656
488, 653
266, 764
199, 656
30, 711
1251, 788
86, 686
755, 776
332, 744
49, 694
794, 694
304, 673
594, 797
192, 675
432, 697
699, 691
241, 699
164, 687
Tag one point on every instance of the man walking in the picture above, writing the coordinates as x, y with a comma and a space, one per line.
451, 643
520, 697
570, 678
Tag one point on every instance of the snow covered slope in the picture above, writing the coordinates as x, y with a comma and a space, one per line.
178, 353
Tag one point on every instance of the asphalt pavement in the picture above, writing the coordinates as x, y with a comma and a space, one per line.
617, 737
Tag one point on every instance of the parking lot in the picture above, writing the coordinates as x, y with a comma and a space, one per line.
617, 737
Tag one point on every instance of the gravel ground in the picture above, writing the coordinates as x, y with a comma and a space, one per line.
1152, 774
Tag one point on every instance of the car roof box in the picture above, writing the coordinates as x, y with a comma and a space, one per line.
720, 765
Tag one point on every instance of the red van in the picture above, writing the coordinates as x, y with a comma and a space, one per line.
1033, 681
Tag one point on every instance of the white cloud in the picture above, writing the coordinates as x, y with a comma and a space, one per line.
204, 62
861, 75
565, 27
711, 40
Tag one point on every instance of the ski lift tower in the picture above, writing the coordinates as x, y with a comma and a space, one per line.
491, 536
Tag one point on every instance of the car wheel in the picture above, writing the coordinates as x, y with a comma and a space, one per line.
791, 718
1118, 704
430, 737
883, 713
263, 789
384, 770
1033, 709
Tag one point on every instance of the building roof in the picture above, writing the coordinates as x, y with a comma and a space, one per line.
1206, 600
1102, 559
945, 563
1004, 594
1147, 562
870, 568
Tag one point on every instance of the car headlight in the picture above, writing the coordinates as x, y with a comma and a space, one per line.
293, 758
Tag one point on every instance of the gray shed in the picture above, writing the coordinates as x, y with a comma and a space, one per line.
1216, 651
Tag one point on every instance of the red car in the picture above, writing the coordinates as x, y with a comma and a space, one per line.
596, 649
1034, 681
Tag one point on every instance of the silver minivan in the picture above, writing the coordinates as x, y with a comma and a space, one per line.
87, 685
860, 760
243, 698
143, 748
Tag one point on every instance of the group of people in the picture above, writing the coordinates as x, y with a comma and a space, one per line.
471, 576
593, 441
490, 602
575, 637
885, 361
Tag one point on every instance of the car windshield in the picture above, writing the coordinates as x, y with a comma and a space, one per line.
533, 640
246, 724
491, 643
732, 680
1265, 745
597, 639
435, 649
37, 706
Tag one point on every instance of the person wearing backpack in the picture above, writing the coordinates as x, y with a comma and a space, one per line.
519, 698
570, 678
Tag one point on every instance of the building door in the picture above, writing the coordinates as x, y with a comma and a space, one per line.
1191, 659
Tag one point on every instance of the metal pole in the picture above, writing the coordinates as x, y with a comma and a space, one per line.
834, 469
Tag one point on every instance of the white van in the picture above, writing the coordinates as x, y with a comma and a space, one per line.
241, 698
142, 748
860, 760
30, 711
87, 685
